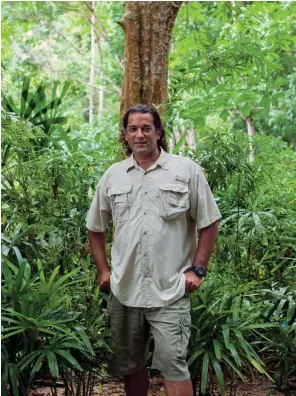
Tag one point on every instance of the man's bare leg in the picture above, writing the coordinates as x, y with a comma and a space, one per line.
136, 384
178, 388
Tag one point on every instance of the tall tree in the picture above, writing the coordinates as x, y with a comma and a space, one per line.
92, 64
148, 30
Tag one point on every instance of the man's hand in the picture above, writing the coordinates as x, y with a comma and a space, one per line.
193, 281
104, 280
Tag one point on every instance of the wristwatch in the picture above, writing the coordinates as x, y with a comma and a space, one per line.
199, 271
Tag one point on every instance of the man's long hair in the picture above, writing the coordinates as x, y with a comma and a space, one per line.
139, 108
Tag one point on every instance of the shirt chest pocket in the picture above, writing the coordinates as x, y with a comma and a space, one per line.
174, 200
120, 202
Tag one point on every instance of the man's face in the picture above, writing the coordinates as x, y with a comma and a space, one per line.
141, 134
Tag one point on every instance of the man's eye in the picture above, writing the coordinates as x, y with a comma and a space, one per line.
147, 129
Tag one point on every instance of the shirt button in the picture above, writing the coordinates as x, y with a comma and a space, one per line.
145, 192
145, 213
145, 232
145, 254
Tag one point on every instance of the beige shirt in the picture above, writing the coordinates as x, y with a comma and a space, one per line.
156, 214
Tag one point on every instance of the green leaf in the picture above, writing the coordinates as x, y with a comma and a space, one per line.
12, 333
19, 279
259, 368
244, 344
279, 309
280, 81
64, 278
24, 95
69, 358
180, 143
4, 377
234, 353
28, 359
85, 340
41, 272
53, 364
53, 275
205, 371
219, 375
13, 378
232, 365
195, 356
217, 348
224, 115
37, 364
246, 109
225, 331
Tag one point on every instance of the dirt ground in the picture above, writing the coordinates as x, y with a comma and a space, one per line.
115, 388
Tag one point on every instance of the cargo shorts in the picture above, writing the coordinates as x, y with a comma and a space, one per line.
129, 338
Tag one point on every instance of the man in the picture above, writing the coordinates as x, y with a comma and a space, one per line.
157, 202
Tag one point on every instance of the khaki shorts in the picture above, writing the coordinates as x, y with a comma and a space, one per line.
129, 339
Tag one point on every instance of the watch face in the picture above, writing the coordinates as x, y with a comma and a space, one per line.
200, 271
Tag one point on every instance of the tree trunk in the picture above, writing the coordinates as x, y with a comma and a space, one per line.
148, 30
190, 139
251, 134
101, 104
92, 65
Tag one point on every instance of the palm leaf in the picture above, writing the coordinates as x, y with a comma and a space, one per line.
217, 349
219, 375
13, 379
195, 356
205, 371
24, 95
69, 358
52, 363
225, 331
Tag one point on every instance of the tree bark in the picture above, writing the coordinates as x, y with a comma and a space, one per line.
92, 66
101, 104
148, 30
251, 133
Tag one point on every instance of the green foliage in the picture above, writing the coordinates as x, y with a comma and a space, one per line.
46, 197
43, 329
280, 346
235, 60
229, 61
226, 323
41, 111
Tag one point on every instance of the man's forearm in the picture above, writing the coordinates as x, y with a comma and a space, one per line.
206, 242
98, 249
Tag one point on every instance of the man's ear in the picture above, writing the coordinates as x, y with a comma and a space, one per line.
158, 133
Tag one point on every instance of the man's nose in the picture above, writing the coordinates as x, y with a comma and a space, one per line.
139, 133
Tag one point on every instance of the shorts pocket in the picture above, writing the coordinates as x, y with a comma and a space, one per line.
185, 326
174, 200
120, 202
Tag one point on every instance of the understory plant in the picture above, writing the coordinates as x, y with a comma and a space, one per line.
226, 324
44, 334
279, 350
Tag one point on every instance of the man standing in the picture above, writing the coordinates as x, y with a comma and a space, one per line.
158, 202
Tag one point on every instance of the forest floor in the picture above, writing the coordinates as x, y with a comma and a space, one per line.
115, 388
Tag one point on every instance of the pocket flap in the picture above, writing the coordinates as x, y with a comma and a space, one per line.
119, 190
185, 320
180, 188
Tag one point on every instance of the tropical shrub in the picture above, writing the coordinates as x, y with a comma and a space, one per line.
279, 351
226, 322
45, 332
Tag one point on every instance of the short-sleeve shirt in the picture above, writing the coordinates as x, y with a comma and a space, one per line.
156, 214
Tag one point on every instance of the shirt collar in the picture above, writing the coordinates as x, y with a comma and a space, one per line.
161, 161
